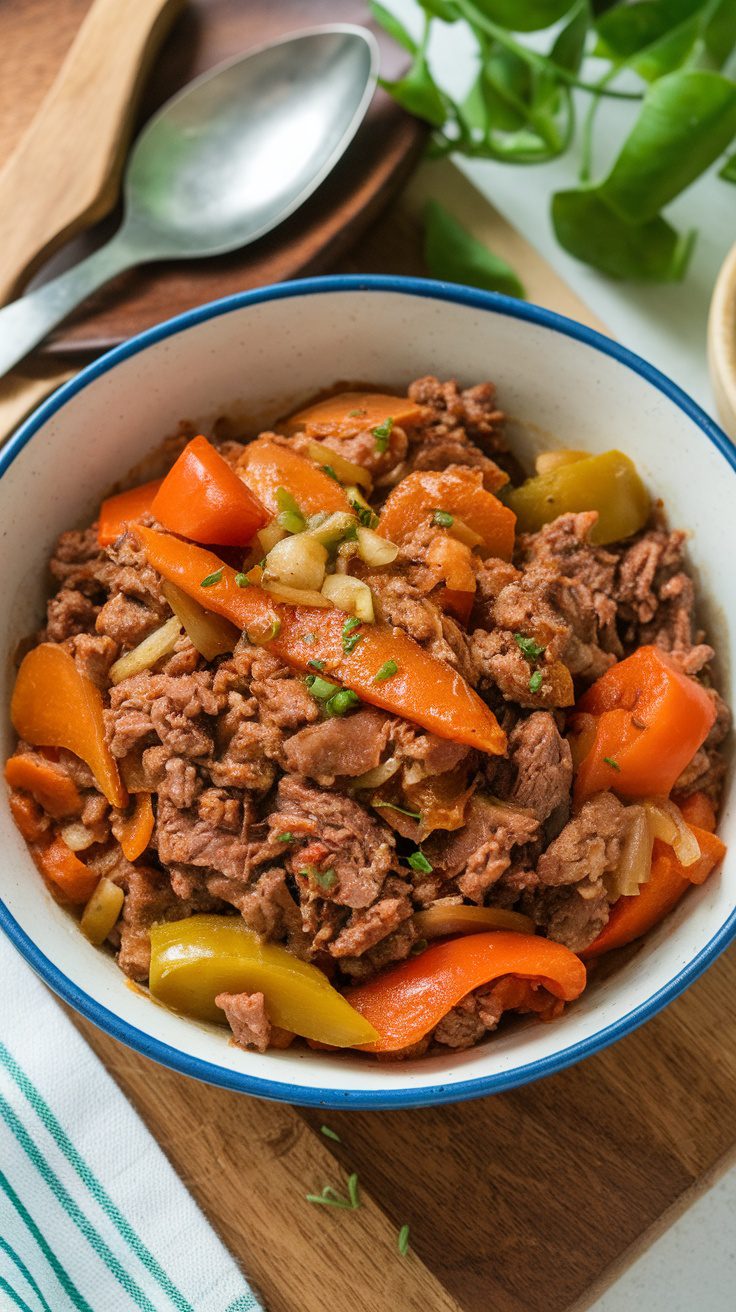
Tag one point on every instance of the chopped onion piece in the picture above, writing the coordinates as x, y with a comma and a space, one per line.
333, 529
454, 918
77, 836
374, 549
666, 823
351, 595
210, 634
635, 863
379, 774
157, 645
296, 562
547, 461
270, 535
346, 471
464, 533
101, 912
294, 596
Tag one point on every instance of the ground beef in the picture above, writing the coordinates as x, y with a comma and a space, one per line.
462, 427
190, 838
246, 1015
173, 710
126, 620
589, 846
539, 773
148, 899
338, 747
69, 613
374, 924
93, 656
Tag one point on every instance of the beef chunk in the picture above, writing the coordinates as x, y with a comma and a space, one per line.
148, 898
573, 915
246, 1015
149, 706
93, 656
190, 838
283, 697
372, 925
456, 421
345, 747
589, 846
70, 612
541, 767
479, 853
127, 620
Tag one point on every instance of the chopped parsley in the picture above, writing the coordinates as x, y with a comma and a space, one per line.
242, 581
316, 665
342, 702
413, 815
353, 414
535, 681
329, 1134
212, 578
288, 837
325, 878
530, 649
613, 764
350, 639
258, 639
353, 1190
443, 518
331, 1198
387, 671
290, 516
382, 434
419, 862
364, 515
329, 471
403, 1240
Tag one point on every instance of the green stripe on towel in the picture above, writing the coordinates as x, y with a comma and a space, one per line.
28, 1276
61, 1275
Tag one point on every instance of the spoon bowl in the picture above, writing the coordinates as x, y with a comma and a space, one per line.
243, 146
221, 164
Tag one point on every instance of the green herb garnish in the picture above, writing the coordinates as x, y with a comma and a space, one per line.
290, 516
353, 1190
443, 518
350, 639
321, 688
242, 581
342, 702
331, 1198
353, 414
212, 578
613, 764
329, 1134
403, 1240
316, 665
288, 837
413, 815
329, 471
387, 671
325, 878
419, 862
530, 649
535, 681
364, 515
382, 434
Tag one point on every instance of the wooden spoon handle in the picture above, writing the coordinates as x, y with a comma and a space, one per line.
65, 172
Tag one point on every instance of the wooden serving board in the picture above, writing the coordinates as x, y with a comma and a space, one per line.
386, 146
526, 1202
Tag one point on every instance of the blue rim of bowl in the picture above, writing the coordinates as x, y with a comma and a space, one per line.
387, 1098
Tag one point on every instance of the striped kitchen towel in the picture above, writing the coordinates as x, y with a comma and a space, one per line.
92, 1216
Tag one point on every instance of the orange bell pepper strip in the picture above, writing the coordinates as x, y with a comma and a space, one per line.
28, 816
650, 720
53, 705
423, 689
406, 1001
117, 512
202, 498
353, 412
452, 562
457, 604
265, 467
53, 790
458, 492
633, 916
697, 809
137, 828
64, 870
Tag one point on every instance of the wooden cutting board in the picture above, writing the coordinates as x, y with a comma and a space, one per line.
526, 1202
383, 152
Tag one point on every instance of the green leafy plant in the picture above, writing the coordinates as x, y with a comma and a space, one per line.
519, 109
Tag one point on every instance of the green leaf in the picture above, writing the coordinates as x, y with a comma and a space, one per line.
719, 35
588, 229
569, 44
630, 28
669, 53
418, 92
390, 23
444, 9
686, 121
728, 172
454, 255
524, 15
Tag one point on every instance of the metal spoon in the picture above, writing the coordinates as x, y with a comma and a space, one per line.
222, 163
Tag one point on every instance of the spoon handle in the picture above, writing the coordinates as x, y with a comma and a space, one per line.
26, 321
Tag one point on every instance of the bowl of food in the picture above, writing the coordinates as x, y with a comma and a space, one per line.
367, 675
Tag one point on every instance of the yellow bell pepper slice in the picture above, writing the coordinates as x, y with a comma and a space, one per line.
195, 959
608, 483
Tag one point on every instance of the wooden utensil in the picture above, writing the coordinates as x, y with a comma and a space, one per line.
207, 32
65, 171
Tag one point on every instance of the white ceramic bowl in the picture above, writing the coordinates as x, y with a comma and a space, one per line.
255, 355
